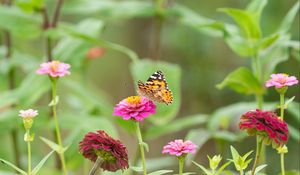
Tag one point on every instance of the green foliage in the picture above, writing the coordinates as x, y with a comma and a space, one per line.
159, 172
242, 81
19, 23
13, 166
175, 126
240, 162
41, 163
141, 70
213, 163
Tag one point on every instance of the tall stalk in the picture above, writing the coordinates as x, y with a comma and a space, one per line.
57, 129
260, 148
47, 24
141, 145
11, 85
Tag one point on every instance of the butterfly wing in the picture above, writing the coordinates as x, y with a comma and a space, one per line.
156, 88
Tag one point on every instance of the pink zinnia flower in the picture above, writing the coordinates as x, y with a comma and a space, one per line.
179, 148
29, 113
112, 152
54, 69
267, 125
135, 107
281, 80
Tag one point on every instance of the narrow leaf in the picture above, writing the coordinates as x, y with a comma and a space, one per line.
159, 172
41, 163
51, 144
207, 172
13, 166
259, 168
289, 18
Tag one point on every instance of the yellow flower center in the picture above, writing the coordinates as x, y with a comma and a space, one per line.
133, 99
54, 65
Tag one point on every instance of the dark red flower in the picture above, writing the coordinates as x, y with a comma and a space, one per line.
112, 152
267, 125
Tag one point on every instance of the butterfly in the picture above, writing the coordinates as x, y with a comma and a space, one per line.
156, 88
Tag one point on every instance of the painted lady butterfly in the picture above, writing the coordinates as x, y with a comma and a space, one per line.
156, 88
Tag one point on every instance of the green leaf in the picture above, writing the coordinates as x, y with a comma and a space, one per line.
259, 168
287, 102
289, 18
143, 69
273, 55
28, 92
175, 126
202, 24
159, 172
242, 81
96, 41
19, 23
294, 133
193, 135
52, 145
13, 166
146, 146
247, 21
220, 170
137, 169
111, 9
41, 163
227, 135
268, 41
235, 154
73, 49
293, 110
257, 6
52, 101
207, 172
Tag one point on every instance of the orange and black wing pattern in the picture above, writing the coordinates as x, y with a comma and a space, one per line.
156, 88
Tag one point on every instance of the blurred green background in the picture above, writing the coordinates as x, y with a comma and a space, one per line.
204, 58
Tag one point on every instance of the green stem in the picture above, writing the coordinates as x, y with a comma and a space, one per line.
28, 152
96, 166
58, 135
241, 172
282, 117
259, 101
181, 164
282, 105
282, 163
257, 155
140, 140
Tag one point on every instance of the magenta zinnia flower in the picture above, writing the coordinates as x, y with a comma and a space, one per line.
281, 80
112, 152
267, 125
29, 113
135, 107
54, 69
179, 148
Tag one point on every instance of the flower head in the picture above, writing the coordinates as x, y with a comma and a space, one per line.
29, 113
95, 52
54, 69
281, 80
267, 125
179, 148
112, 152
135, 107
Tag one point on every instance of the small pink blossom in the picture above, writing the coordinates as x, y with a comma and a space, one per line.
179, 147
95, 52
281, 80
29, 113
135, 107
54, 69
